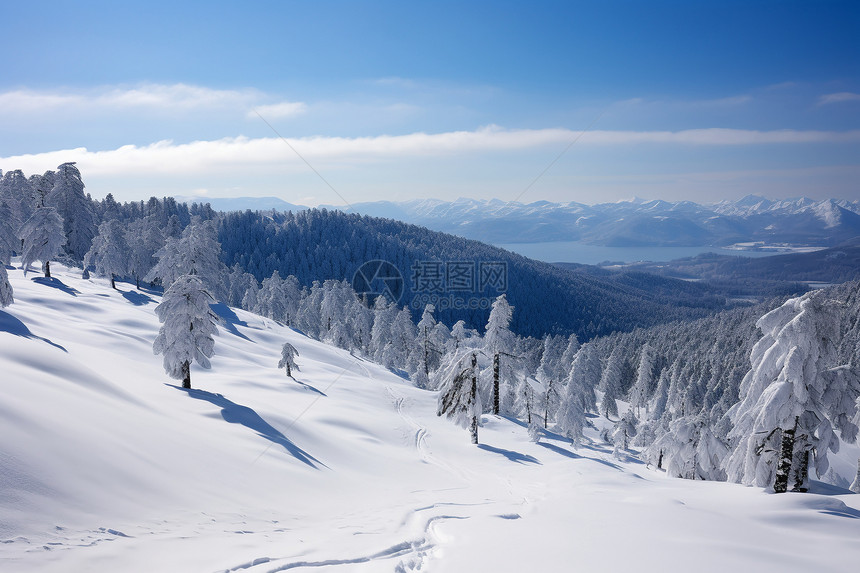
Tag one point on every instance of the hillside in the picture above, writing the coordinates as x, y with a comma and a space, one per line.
321, 244
834, 265
106, 465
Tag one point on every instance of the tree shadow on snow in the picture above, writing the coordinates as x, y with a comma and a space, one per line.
824, 488
12, 325
229, 319
237, 414
57, 284
560, 450
136, 298
309, 387
510, 454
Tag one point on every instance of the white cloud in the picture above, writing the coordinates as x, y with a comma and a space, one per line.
157, 97
280, 110
229, 154
731, 101
838, 98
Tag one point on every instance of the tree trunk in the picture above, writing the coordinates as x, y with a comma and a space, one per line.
426, 354
801, 476
496, 368
473, 396
47, 269
546, 404
786, 455
113, 281
660, 461
186, 374
288, 370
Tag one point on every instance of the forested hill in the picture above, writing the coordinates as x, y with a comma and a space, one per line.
326, 244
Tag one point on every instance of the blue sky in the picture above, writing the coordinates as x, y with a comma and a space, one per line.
397, 100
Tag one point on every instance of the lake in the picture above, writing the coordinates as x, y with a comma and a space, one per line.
574, 252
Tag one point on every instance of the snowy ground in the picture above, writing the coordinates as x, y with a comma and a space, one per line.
105, 465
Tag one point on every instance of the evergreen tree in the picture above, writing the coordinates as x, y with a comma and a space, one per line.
271, 301
793, 400
570, 352
427, 352
550, 372
5, 288
8, 244
239, 283
459, 399
398, 352
610, 384
188, 325
579, 398
196, 252
9, 224
380, 334
75, 208
42, 237
498, 342
19, 195
109, 253
288, 358
641, 389
624, 430
144, 239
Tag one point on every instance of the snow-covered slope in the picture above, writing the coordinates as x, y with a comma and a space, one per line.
106, 465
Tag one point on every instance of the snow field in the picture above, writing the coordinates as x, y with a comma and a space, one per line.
106, 465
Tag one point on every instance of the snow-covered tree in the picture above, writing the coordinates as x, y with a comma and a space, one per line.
239, 282
498, 342
459, 399
9, 226
398, 352
428, 352
641, 389
42, 235
188, 325
661, 396
196, 252
18, 193
535, 429
380, 334
144, 239
308, 317
550, 373
8, 244
624, 430
109, 253
288, 358
529, 392
610, 384
271, 302
793, 399
76, 209
689, 449
569, 354
578, 398
5, 288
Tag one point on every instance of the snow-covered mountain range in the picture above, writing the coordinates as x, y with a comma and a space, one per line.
107, 465
635, 222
